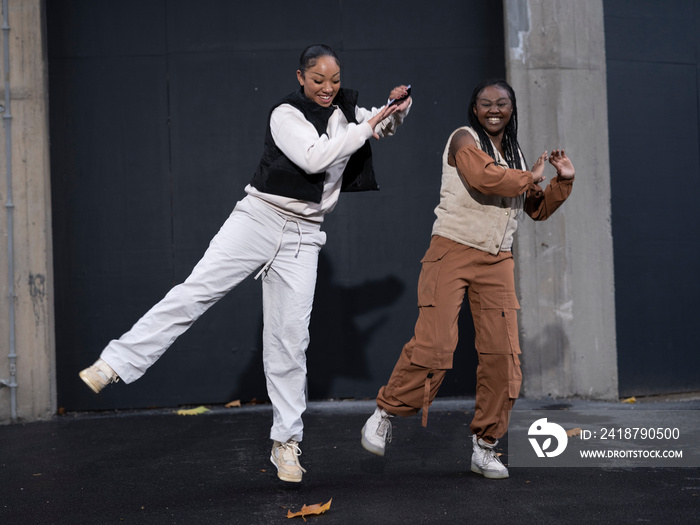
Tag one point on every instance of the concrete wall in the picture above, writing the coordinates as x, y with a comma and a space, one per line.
556, 64
25, 221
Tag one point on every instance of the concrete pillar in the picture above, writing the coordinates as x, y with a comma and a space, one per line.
556, 64
31, 229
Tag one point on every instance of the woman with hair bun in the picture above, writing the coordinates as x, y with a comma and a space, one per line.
316, 145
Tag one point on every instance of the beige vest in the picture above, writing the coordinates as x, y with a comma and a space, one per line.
485, 222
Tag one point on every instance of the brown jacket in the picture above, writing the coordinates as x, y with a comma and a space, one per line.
481, 199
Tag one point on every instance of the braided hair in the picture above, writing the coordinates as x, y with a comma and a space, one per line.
511, 148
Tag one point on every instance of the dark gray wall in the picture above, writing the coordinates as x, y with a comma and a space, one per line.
653, 90
157, 119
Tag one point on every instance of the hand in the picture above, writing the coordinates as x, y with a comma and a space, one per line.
565, 169
538, 169
399, 92
384, 112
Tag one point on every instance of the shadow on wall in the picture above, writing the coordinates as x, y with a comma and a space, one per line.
551, 348
339, 340
344, 323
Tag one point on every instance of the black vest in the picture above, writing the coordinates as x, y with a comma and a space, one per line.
278, 175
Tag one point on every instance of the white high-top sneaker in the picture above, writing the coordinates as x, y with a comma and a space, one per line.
485, 461
377, 432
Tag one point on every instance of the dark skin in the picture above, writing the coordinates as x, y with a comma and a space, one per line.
321, 83
493, 109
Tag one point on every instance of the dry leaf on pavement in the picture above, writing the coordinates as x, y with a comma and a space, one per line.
309, 510
192, 411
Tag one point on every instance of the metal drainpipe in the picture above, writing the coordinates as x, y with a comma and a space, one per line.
7, 121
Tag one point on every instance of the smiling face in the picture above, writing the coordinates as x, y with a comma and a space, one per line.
493, 109
321, 81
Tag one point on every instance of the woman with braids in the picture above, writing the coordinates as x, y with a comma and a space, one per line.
317, 145
485, 188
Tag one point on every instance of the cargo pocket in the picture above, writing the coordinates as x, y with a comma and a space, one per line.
515, 378
430, 271
498, 330
433, 342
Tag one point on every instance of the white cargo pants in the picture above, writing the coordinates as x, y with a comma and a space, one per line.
255, 234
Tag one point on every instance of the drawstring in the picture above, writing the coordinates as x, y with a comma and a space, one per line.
279, 245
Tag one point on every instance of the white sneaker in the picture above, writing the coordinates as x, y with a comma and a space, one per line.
377, 432
98, 376
485, 460
285, 456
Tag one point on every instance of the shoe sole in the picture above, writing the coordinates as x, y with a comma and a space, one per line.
369, 447
281, 475
94, 387
489, 475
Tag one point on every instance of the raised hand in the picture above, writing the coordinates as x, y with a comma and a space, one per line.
564, 167
384, 112
398, 93
390, 109
538, 168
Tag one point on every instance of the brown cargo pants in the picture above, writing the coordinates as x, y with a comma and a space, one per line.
449, 270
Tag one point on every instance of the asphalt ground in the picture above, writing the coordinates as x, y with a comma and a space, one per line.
157, 467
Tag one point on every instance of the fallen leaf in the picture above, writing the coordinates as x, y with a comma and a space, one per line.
573, 432
192, 411
232, 404
310, 510
630, 400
